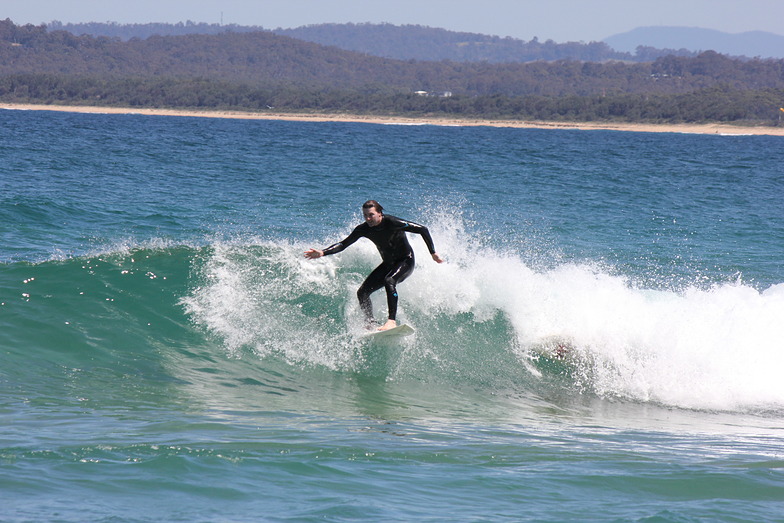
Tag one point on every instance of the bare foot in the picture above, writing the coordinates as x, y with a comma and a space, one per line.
390, 324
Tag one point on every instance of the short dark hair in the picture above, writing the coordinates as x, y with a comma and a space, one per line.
373, 204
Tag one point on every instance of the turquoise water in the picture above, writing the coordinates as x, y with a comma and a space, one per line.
169, 355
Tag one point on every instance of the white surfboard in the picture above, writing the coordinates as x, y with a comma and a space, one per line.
382, 350
397, 332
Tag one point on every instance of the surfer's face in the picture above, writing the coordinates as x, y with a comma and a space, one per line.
372, 216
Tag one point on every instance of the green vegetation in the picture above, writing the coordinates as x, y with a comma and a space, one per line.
718, 104
259, 71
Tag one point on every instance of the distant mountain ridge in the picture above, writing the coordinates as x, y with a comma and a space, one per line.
750, 44
406, 42
415, 42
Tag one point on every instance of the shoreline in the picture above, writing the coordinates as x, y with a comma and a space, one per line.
711, 128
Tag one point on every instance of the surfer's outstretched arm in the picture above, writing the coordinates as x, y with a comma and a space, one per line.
312, 254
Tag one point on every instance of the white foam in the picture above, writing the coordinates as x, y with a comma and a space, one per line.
718, 348
248, 298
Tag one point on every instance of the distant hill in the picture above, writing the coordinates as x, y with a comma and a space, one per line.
750, 44
416, 42
407, 42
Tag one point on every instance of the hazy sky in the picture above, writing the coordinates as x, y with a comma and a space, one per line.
559, 20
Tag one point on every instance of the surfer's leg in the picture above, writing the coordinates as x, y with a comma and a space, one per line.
372, 283
399, 272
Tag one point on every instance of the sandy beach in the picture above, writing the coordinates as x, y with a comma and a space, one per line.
712, 128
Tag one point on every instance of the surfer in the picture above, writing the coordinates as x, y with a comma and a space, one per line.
388, 233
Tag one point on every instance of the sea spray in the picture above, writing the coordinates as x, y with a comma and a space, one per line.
484, 314
712, 346
265, 298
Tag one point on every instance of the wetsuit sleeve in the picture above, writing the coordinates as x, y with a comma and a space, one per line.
351, 238
423, 231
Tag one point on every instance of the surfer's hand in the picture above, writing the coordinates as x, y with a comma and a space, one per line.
312, 254
437, 258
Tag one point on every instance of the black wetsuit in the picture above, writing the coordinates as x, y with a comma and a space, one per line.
397, 264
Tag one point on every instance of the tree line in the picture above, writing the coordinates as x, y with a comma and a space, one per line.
716, 104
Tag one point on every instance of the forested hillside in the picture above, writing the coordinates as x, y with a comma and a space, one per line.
144, 31
407, 42
257, 70
431, 44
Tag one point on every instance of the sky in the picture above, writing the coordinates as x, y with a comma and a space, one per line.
558, 20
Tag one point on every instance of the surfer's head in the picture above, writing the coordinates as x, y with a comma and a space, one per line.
373, 204
373, 212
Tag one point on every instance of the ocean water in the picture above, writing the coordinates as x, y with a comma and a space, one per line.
604, 343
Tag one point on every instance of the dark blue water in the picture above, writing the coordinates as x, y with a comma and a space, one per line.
168, 354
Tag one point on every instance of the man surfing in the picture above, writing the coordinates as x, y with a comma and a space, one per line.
388, 233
